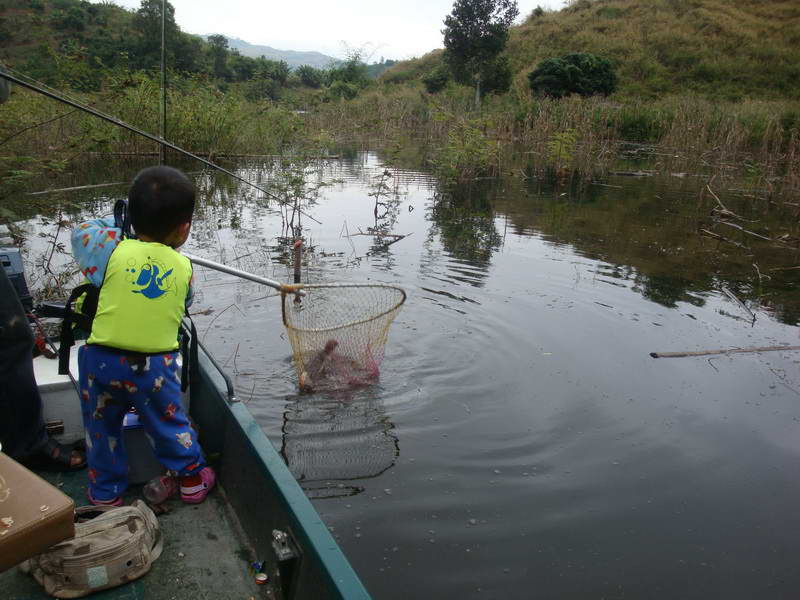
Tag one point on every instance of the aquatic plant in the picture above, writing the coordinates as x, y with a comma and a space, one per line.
561, 149
468, 152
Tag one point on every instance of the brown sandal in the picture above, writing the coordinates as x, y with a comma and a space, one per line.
55, 457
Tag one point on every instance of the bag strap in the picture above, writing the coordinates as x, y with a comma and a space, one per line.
92, 510
149, 516
189, 351
84, 321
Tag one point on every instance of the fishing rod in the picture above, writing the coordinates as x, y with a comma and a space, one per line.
119, 123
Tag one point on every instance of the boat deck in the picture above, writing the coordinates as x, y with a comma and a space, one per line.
205, 554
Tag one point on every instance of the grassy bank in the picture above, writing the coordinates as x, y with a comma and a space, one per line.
575, 136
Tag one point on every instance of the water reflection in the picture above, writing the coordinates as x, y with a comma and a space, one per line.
332, 443
464, 221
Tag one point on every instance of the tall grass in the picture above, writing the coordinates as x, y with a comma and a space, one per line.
200, 119
679, 134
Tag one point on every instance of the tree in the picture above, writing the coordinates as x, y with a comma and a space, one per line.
497, 76
353, 70
579, 73
218, 48
147, 20
310, 76
243, 67
475, 34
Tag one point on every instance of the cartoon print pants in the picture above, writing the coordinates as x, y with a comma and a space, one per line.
110, 386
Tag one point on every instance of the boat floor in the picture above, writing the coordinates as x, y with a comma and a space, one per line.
205, 554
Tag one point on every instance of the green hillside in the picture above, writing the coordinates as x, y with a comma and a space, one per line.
77, 44
717, 48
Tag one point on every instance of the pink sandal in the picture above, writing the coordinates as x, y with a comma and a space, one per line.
113, 502
195, 488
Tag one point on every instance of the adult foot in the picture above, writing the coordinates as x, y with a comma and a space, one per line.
55, 457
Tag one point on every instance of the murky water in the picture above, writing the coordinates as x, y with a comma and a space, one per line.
521, 441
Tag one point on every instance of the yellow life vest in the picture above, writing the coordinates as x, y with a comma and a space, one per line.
143, 298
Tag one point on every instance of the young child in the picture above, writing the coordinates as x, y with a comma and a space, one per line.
130, 358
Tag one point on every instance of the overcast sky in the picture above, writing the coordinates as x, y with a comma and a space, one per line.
395, 29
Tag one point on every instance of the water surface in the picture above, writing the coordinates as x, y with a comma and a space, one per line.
521, 441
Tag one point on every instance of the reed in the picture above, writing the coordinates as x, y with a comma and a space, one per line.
757, 139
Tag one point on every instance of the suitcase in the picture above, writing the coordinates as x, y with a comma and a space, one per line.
34, 515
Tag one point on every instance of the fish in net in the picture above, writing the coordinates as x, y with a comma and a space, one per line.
338, 332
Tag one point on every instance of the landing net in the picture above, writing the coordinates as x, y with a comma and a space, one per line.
338, 332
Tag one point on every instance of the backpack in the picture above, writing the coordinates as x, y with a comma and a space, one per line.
112, 546
91, 295
82, 319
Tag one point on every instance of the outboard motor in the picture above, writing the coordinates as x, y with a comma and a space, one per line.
12, 264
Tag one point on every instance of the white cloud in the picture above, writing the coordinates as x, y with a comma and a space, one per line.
397, 29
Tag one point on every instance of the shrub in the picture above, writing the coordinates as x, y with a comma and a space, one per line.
262, 88
342, 89
398, 75
436, 80
579, 73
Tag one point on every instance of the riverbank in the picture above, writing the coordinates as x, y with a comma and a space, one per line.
755, 141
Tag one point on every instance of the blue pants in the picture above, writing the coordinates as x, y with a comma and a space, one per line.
110, 386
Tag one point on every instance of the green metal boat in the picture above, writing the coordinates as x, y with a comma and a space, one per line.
258, 513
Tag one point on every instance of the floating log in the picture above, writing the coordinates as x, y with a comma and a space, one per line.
726, 351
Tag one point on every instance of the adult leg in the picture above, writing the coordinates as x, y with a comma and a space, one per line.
22, 430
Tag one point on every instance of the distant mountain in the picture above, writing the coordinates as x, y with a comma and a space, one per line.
292, 57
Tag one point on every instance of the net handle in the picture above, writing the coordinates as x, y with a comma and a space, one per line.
298, 290
244, 274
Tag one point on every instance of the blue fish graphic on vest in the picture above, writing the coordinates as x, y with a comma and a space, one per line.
155, 285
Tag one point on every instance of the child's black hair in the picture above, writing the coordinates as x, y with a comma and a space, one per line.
160, 199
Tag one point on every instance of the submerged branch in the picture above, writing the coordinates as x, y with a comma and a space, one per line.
727, 351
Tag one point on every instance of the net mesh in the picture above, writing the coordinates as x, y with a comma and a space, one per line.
338, 332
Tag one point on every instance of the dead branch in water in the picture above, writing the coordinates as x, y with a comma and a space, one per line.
396, 236
80, 187
721, 238
747, 231
741, 304
728, 351
723, 210
396, 239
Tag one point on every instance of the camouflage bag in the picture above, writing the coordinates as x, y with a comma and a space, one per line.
112, 546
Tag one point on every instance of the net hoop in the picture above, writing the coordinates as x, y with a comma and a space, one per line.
291, 289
